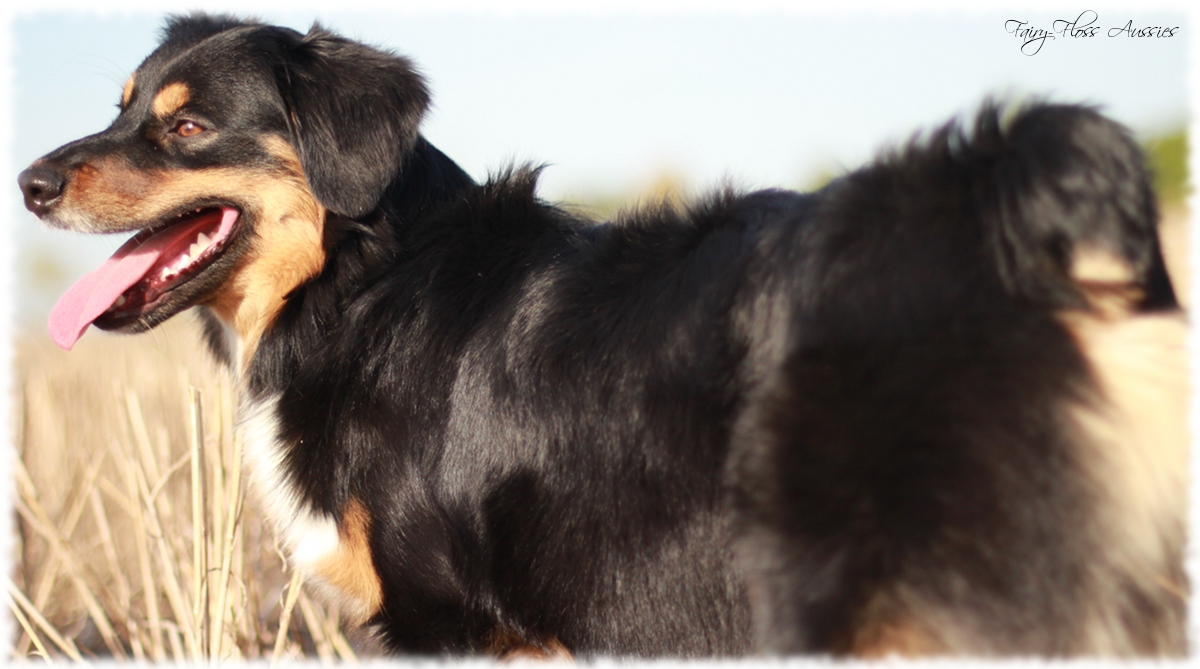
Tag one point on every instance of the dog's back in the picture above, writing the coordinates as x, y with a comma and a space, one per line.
973, 439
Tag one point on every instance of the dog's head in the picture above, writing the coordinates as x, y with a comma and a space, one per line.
233, 141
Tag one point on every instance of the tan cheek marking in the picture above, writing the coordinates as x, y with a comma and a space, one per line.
127, 91
287, 250
170, 99
350, 569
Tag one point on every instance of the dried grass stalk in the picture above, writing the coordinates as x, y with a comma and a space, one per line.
138, 559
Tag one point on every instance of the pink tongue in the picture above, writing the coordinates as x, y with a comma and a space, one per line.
96, 291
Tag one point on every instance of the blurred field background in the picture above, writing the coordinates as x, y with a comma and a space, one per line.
136, 538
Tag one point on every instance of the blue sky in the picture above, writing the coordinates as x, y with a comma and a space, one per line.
611, 100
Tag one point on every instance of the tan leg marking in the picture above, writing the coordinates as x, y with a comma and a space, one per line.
351, 570
903, 638
894, 625
507, 645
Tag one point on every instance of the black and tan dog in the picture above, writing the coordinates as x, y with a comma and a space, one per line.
935, 407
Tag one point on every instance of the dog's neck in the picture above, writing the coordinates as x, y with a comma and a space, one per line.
355, 252
427, 180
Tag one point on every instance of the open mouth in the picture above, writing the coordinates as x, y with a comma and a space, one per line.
144, 271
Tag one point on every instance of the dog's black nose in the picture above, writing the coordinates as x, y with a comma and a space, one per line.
41, 186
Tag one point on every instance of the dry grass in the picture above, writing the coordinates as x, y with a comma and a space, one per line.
135, 539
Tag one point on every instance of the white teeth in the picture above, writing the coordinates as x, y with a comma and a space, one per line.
120, 301
203, 243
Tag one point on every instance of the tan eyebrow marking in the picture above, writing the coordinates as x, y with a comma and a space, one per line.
170, 99
127, 92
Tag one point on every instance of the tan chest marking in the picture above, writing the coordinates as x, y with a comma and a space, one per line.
350, 569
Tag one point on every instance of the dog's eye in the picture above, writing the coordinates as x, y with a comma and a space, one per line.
187, 128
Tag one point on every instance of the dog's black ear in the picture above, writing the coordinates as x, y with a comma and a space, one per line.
353, 112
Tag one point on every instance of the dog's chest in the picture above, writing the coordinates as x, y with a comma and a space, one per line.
335, 558
305, 533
